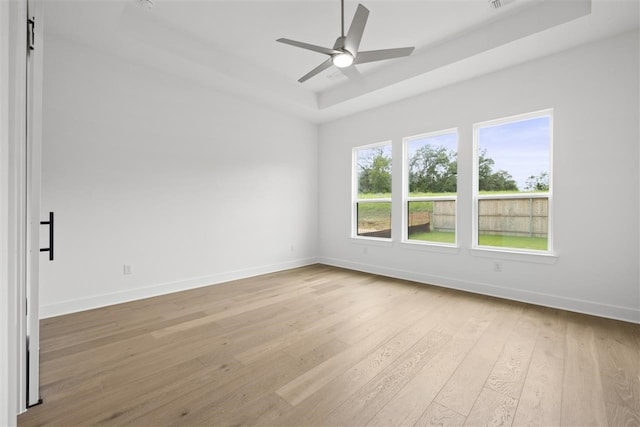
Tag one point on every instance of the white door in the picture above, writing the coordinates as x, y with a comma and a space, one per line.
34, 227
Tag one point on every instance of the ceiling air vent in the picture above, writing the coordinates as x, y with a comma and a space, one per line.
146, 3
497, 4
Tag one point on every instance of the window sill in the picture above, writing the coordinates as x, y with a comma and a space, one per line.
375, 241
532, 257
430, 247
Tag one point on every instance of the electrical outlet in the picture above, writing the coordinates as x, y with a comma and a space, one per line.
127, 269
497, 267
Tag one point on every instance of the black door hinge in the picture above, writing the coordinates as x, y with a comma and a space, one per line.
31, 33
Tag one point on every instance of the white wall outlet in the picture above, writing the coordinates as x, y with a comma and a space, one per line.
127, 269
497, 267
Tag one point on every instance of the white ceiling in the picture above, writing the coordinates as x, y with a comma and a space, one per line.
230, 45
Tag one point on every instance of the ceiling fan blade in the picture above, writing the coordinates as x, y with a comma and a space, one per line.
354, 36
308, 46
352, 73
382, 54
320, 68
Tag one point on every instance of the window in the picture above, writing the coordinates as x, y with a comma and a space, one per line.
430, 187
512, 183
372, 191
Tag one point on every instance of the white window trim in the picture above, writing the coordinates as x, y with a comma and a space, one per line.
354, 193
520, 253
406, 199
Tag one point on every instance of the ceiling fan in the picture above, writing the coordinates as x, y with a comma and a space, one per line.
345, 50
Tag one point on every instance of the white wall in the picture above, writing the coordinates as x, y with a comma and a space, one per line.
594, 92
188, 186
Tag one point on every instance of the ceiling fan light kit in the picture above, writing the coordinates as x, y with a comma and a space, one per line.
345, 50
342, 60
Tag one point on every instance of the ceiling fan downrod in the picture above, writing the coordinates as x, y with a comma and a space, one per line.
342, 16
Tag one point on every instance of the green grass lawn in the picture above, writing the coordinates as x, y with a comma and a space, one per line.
388, 195
516, 242
413, 194
435, 237
374, 211
374, 216
374, 195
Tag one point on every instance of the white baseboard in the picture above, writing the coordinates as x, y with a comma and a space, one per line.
627, 314
554, 301
73, 306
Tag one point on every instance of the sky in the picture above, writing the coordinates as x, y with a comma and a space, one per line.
521, 148
447, 140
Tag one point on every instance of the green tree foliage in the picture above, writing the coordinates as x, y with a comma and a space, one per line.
433, 170
374, 175
499, 181
488, 180
538, 182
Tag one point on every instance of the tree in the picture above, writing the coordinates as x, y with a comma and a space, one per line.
433, 170
374, 175
380, 175
538, 182
485, 169
488, 180
500, 181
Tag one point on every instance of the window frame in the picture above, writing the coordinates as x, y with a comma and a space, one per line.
355, 193
477, 197
406, 199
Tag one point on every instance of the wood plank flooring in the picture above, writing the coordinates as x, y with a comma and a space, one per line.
322, 346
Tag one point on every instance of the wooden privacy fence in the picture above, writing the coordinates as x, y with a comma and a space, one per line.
441, 217
510, 217
444, 215
514, 217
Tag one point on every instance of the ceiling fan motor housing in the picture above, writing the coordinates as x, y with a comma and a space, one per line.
339, 45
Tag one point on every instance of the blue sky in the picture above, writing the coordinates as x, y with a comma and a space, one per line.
448, 140
521, 148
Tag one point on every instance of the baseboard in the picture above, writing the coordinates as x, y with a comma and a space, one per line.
570, 304
554, 301
73, 306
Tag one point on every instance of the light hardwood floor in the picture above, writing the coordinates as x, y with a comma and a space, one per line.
324, 346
